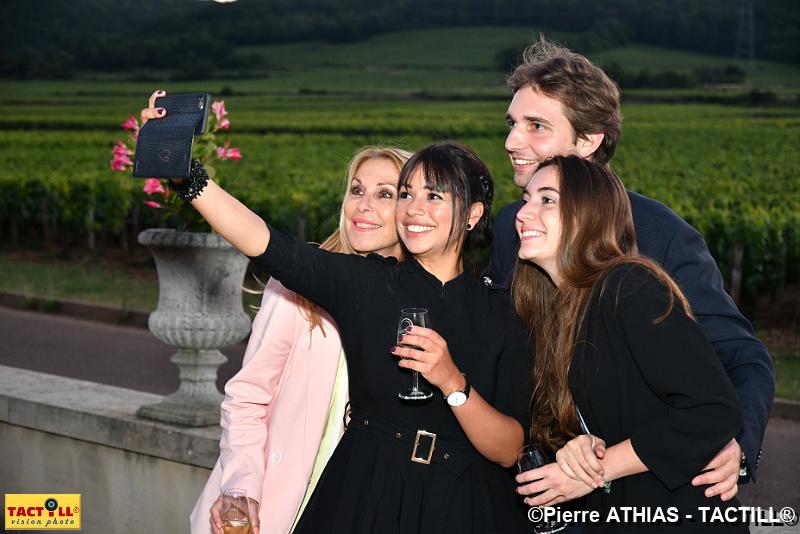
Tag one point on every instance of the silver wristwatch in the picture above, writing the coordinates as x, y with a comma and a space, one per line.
459, 397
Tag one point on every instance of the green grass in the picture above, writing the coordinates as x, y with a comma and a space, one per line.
439, 62
91, 279
88, 280
787, 375
475, 48
452, 48
642, 57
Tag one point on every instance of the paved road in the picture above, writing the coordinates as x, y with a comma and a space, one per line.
116, 355
132, 358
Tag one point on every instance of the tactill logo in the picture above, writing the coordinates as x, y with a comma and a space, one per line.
42, 511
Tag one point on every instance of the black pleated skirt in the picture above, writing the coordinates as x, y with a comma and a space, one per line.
370, 485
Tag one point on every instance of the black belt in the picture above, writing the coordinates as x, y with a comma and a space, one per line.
424, 446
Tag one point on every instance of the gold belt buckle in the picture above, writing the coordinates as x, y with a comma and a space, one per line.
420, 460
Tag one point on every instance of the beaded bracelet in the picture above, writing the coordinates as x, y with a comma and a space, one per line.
193, 185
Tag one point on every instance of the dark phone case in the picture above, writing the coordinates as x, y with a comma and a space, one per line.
164, 146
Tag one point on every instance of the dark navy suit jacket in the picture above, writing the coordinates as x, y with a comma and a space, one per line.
680, 249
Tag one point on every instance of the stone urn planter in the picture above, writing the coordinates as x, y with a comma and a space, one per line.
199, 311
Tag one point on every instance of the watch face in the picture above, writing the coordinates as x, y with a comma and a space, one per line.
457, 398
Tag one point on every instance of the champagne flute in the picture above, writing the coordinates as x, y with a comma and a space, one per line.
235, 511
413, 317
530, 457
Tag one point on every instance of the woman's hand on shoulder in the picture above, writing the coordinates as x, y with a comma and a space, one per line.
433, 360
579, 459
216, 516
549, 485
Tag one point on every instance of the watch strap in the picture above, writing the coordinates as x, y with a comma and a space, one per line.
465, 391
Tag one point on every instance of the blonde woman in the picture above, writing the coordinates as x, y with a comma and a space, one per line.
293, 383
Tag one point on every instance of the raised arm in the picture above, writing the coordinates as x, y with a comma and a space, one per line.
227, 216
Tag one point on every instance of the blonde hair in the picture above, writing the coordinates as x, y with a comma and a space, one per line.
337, 241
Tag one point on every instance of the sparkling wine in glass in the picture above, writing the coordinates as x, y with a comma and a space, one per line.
235, 511
530, 457
413, 317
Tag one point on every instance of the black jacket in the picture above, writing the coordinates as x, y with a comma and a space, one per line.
680, 249
659, 384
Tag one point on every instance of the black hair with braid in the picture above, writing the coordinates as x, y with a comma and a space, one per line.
456, 169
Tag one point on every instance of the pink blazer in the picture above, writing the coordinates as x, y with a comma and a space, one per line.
274, 413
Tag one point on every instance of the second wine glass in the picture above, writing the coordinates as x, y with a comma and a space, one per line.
235, 512
531, 457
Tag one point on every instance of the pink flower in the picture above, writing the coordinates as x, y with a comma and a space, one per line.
122, 153
152, 204
218, 107
131, 124
223, 152
120, 149
152, 186
224, 124
121, 162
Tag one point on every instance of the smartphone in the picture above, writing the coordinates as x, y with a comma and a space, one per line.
164, 146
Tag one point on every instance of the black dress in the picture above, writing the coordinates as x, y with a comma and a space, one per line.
370, 484
662, 386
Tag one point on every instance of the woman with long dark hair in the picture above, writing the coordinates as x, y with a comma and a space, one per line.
423, 466
617, 356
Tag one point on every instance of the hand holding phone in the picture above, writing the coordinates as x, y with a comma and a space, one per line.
164, 146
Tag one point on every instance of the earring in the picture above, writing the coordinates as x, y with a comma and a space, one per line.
469, 226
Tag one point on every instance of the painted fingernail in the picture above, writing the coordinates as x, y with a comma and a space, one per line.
160, 92
394, 349
400, 338
160, 111
408, 329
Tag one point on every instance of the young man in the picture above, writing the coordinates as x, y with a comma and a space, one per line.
563, 104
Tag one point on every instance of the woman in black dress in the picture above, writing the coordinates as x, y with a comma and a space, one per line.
435, 466
617, 354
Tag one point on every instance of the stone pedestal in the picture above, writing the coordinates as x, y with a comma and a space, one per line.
199, 311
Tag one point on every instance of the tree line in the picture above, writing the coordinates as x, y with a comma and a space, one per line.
53, 38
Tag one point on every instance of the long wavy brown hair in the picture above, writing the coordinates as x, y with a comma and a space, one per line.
597, 234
